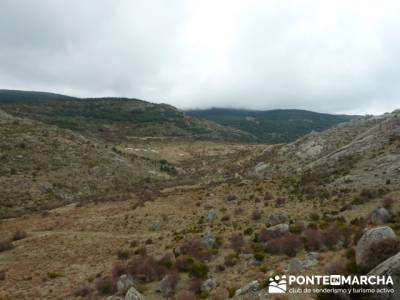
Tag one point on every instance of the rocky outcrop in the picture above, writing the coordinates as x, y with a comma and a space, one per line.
379, 216
133, 294
249, 291
278, 230
368, 239
124, 283
390, 267
358, 154
278, 218
209, 285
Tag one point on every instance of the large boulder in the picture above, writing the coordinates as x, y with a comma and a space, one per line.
278, 230
278, 218
379, 216
124, 283
133, 294
390, 267
368, 239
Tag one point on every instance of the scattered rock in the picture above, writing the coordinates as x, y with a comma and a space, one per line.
279, 230
133, 294
249, 289
209, 240
295, 266
165, 288
209, 285
219, 293
124, 283
391, 267
212, 215
311, 260
114, 298
231, 197
379, 216
278, 218
155, 226
246, 256
178, 250
258, 169
370, 237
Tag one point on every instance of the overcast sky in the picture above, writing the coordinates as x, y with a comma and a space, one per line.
328, 56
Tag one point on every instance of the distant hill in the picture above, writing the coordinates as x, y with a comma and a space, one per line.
361, 153
272, 126
43, 166
114, 119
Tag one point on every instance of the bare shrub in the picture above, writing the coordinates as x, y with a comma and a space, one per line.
237, 241
220, 293
5, 245
105, 286
382, 250
142, 251
18, 235
313, 239
256, 215
195, 285
230, 260
314, 216
297, 227
2, 275
83, 292
331, 236
280, 202
336, 267
146, 268
238, 211
231, 197
133, 243
289, 245
118, 270
185, 295
268, 196
388, 203
123, 254
194, 267
196, 249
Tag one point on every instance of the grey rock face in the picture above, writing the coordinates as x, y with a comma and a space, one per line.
212, 215
391, 267
124, 283
370, 237
379, 216
248, 290
279, 230
278, 218
209, 285
295, 266
133, 294
209, 240
311, 260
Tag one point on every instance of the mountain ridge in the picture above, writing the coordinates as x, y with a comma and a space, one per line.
272, 126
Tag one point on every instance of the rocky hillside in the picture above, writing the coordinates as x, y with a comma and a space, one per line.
272, 126
363, 152
44, 166
114, 119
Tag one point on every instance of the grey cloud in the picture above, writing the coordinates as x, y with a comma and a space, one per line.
331, 56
